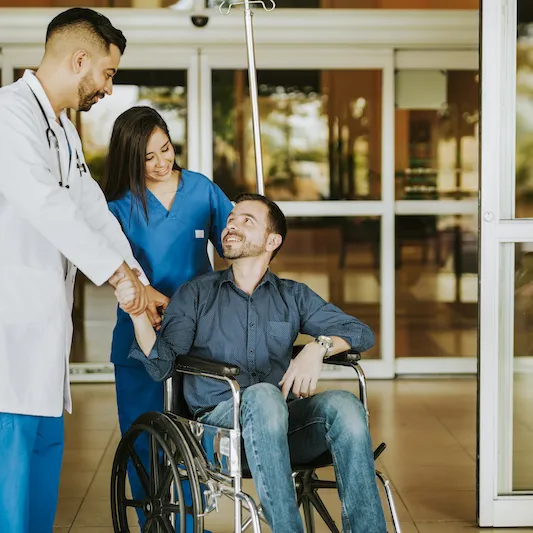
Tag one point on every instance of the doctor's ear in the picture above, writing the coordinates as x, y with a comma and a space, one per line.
80, 61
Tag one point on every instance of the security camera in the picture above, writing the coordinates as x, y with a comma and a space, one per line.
200, 20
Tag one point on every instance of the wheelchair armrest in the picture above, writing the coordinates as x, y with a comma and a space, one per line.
342, 358
198, 365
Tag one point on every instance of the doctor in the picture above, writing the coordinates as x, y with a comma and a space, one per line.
53, 219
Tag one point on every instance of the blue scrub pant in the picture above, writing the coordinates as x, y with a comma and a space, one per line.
31, 451
138, 393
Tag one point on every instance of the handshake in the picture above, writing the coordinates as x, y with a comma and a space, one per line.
134, 298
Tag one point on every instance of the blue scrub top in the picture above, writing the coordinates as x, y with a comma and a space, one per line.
171, 246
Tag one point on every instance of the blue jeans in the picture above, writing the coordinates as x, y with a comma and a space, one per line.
276, 432
31, 451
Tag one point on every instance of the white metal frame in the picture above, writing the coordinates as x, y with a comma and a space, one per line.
499, 231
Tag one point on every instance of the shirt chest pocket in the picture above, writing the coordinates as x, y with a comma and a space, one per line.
279, 338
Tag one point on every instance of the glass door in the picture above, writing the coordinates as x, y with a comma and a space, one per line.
436, 211
327, 121
506, 294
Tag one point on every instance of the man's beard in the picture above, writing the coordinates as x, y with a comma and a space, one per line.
246, 250
87, 93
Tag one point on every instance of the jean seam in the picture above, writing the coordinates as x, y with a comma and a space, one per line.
311, 422
340, 486
259, 467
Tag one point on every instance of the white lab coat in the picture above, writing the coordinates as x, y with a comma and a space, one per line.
46, 233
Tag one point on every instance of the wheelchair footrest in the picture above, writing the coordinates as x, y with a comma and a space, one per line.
379, 450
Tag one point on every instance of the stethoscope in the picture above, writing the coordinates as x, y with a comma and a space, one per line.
52, 139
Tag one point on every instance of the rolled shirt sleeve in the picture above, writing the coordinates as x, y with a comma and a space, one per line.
318, 317
175, 337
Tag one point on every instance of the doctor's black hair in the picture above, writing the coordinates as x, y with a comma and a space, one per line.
277, 223
125, 167
89, 20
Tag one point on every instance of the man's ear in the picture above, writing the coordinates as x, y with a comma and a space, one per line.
273, 242
80, 61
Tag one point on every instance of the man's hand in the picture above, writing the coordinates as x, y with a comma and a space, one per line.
135, 302
157, 303
303, 372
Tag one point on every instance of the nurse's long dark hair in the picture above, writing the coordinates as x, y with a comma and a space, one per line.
126, 160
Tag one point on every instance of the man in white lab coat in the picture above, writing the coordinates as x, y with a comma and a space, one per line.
53, 220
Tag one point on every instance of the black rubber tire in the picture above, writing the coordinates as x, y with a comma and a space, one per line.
174, 462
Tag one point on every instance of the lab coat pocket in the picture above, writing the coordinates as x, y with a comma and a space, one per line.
29, 295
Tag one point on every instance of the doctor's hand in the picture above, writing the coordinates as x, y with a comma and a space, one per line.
136, 300
303, 372
157, 303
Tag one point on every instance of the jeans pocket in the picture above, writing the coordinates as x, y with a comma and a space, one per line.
6, 420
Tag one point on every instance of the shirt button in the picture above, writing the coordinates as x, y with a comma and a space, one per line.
251, 350
251, 324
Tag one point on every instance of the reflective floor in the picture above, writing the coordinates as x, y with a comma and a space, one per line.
429, 426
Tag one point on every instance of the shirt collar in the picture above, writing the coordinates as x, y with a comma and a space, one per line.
35, 85
227, 276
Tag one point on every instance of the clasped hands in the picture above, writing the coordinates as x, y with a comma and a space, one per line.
135, 299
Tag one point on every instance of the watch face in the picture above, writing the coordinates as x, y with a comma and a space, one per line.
326, 340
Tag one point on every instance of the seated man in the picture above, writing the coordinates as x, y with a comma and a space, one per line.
249, 317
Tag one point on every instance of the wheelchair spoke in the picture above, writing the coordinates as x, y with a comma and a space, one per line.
139, 469
166, 525
165, 484
177, 509
147, 528
138, 504
154, 466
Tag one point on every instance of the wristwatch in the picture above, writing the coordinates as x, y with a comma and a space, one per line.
326, 342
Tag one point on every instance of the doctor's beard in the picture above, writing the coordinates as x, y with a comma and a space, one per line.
87, 93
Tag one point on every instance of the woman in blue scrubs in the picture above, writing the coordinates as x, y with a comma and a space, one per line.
168, 214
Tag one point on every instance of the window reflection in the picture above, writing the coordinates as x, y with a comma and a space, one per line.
436, 286
522, 377
437, 150
95, 307
321, 134
162, 90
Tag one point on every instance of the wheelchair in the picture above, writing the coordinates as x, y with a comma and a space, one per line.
211, 459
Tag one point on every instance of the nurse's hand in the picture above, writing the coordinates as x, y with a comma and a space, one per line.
157, 303
136, 301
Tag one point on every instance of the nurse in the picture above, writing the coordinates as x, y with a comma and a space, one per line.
53, 220
169, 215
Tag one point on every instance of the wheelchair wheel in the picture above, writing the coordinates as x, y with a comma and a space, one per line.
163, 506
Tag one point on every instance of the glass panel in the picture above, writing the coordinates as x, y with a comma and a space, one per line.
523, 369
436, 150
524, 110
160, 89
95, 307
436, 286
339, 258
321, 133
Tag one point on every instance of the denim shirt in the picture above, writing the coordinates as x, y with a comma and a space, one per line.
210, 317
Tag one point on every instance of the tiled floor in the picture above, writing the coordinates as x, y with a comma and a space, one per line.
429, 427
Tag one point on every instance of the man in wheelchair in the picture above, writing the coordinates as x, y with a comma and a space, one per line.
249, 317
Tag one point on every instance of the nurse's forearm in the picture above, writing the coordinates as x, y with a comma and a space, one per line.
144, 333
